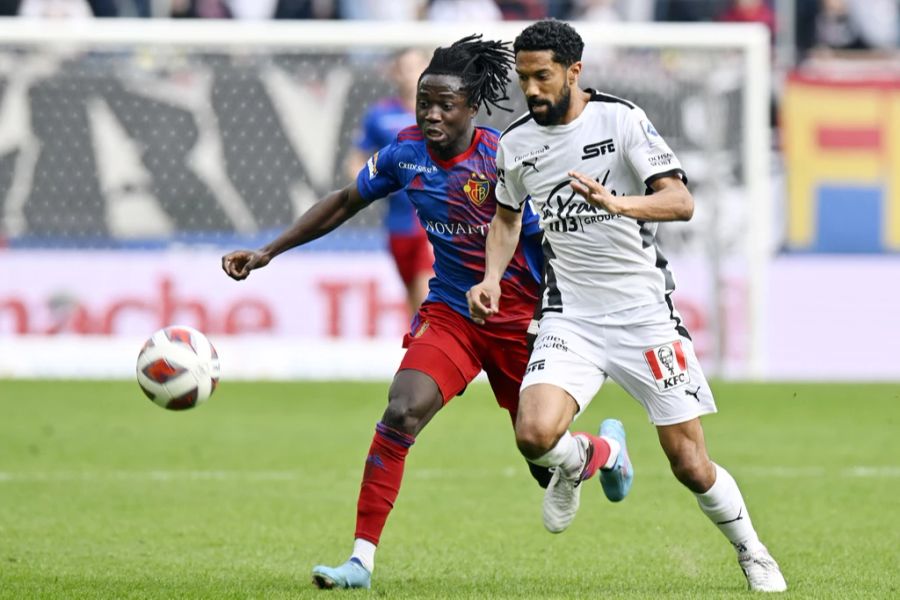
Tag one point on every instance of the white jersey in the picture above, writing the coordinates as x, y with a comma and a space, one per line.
595, 263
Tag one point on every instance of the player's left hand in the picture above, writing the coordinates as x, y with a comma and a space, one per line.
595, 193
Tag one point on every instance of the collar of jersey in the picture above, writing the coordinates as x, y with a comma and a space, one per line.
446, 164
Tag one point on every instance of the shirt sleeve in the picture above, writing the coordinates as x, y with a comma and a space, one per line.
379, 176
509, 192
647, 151
531, 222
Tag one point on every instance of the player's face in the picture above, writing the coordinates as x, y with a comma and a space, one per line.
443, 113
547, 85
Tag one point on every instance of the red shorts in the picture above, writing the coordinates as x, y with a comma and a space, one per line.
412, 255
452, 350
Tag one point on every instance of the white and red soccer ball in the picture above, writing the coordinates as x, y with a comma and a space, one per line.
178, 368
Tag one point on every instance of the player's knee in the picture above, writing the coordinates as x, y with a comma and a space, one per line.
408, 411
535, 439
401, 415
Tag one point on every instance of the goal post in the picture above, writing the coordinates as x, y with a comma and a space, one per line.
147, 136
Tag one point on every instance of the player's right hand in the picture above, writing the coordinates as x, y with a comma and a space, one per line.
484, 301
239, 263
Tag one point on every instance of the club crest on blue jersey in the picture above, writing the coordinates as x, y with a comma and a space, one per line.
477, 188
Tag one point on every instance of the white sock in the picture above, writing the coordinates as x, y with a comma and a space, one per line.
725, 507
364, 552
568, 454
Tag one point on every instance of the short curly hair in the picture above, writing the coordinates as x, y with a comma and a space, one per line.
550, 34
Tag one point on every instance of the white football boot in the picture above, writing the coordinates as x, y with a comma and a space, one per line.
761, 570
563, 496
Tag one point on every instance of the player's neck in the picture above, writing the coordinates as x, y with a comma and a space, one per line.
580, 99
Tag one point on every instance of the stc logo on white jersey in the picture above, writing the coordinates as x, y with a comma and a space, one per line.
668, 365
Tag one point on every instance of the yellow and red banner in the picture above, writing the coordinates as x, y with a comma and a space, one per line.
842, 158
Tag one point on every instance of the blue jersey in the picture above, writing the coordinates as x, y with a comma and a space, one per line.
381, 124
455, 203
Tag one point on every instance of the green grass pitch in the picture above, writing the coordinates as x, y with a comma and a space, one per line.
104, 495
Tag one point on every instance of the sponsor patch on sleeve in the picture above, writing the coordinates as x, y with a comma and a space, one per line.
668, 365
372, 165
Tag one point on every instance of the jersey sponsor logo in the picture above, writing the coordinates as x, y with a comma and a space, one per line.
661, 160
456, 228
598, 149
408, 166
477, 188
535, 365
372, 165
567, 215
653, 137
535, 152
668, 365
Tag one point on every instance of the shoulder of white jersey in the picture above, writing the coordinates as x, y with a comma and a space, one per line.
609, 98
516, 124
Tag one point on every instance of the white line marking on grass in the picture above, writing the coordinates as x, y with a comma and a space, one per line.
508, 472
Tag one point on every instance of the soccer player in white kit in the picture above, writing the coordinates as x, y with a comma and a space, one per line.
601, 178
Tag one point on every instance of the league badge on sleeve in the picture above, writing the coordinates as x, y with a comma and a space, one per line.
668, 365
653, 137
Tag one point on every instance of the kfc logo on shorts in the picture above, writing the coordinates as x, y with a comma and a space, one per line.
668, 365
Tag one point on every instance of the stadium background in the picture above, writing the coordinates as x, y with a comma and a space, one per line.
144, 162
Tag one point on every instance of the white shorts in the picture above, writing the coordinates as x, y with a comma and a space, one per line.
645, 350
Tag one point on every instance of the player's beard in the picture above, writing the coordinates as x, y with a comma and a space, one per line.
555, 110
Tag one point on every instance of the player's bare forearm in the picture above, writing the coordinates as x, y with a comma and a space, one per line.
502, 240
670, 200
325, 216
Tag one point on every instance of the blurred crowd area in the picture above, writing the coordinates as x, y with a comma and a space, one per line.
806, 28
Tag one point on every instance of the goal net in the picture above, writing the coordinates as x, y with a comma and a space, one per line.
134, 153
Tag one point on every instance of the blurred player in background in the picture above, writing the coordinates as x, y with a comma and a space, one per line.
601, 178
407, 240
447, 165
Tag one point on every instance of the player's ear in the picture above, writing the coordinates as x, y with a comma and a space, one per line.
573, 72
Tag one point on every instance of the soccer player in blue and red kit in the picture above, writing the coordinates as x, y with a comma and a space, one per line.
407, 241
447, 166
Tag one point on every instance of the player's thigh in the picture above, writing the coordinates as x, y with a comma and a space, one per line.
504, 357
657, 365
440, 345
559, 359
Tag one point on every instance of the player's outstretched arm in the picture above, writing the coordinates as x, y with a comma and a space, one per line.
502, 239
326, 215
670, 200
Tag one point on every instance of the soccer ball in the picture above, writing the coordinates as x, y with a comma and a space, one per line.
178, 368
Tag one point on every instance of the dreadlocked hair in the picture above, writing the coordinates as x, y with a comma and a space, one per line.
483, 67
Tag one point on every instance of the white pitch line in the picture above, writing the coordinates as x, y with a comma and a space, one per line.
508, 472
